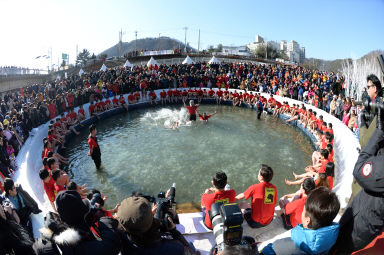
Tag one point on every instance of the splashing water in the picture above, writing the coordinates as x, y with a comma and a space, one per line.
168, 118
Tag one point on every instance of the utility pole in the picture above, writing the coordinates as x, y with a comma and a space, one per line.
185, 39
77, 54
136, 41
198, 43
120, 42
158, 47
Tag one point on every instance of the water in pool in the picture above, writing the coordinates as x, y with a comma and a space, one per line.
141, 152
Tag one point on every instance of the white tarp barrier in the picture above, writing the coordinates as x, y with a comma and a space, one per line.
152, 62
188, 61
103, 68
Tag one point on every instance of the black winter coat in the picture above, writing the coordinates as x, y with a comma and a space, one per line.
58, 235
363, 220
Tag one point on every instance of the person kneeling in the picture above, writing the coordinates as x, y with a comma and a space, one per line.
317, 233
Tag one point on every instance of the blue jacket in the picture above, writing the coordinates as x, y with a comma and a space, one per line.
315, 241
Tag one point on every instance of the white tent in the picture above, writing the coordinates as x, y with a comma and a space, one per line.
214, 60
188, 61
81, 72
152, 62
128, 64
103, 68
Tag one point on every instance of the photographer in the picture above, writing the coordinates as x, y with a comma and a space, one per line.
141, 231
22, 202
368, 117
363, 219
70, 233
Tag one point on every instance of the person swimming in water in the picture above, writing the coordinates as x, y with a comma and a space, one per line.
205, 116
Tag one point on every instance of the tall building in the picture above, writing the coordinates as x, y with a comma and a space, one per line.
292, 49
302, 54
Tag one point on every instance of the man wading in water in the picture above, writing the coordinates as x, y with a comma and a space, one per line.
192, 109
94, 149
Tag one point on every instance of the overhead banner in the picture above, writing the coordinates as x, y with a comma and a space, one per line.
157, 52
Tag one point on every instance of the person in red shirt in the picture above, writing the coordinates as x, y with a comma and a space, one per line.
92, 110
115, 101
52, 110
312, 171
204, 118
184, 95
131, 99
291, 211
226, 94
211, 93
330, 173
176, 95
61, 180
264, 198
94, 149
108, 104
143, 88
252, 99
192, 108
49, 186
235, 98
170, 95
137, 96
81, 114
219, 96
152, 97
216, 194
163, 96
122, 102
271, 102
331, 152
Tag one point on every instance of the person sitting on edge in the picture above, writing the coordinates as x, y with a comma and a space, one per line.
317, 233
192, 109
216, 194
291, 211
264, 198
49, 186
204, 118
152, 97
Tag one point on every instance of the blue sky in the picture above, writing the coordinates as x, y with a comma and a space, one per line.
327, 29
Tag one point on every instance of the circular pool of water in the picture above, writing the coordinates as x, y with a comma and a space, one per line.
140, 152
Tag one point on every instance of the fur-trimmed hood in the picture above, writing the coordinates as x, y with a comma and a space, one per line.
59, 232
69, 236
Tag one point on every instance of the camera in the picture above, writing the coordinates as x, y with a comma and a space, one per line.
164, 204
226, 222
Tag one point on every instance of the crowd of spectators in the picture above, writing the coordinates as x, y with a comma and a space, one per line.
130, 226
16, 70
